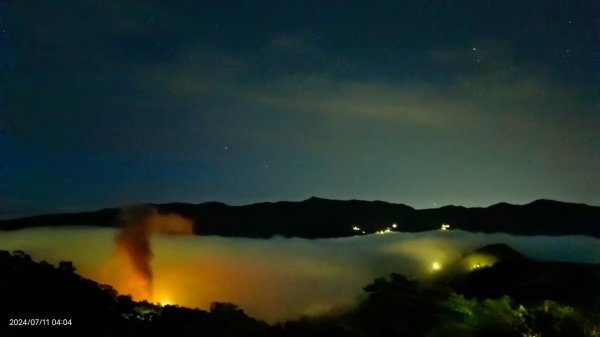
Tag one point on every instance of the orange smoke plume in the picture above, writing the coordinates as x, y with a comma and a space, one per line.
131, 260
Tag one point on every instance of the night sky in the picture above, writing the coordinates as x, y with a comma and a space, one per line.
426, 103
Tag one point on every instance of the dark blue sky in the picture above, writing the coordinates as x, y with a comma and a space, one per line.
420, 102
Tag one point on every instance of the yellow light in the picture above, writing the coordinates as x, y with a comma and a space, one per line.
445, 227
355, 228
384, 231
436, 266
394, 225
165, 301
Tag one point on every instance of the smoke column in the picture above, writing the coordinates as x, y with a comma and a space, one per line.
274, 279
133, 250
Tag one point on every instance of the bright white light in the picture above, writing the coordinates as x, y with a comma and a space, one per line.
355, 228
394, 225
445, 227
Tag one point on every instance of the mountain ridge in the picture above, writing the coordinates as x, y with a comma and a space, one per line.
319, 218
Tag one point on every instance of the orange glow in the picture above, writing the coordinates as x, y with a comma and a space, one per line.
164, 300
129, 268
275, 279
120, 273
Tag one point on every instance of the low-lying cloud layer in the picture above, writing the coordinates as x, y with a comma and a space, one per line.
280, 278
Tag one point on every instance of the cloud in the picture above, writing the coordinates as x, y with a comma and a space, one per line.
464, 104
334, 99
497, 104
391, 117
281, 278
292, 44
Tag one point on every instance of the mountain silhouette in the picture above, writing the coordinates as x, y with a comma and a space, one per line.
324, 218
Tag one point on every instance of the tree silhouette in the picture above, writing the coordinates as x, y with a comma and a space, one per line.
393, 306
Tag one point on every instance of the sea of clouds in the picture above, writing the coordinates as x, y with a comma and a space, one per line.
278, 278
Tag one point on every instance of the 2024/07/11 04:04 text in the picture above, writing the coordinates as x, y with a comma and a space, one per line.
39, 322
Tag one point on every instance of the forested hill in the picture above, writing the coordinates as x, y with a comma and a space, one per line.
514, 297
317, 217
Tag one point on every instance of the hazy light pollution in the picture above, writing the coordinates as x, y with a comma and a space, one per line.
469, 103
279, 278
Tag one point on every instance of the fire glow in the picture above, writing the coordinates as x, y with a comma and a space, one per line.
271, 279
130, 265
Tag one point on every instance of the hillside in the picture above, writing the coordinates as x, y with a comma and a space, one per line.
38, 299
513, 296
316, 217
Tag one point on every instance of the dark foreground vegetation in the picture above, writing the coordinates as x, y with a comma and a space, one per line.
514, 297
